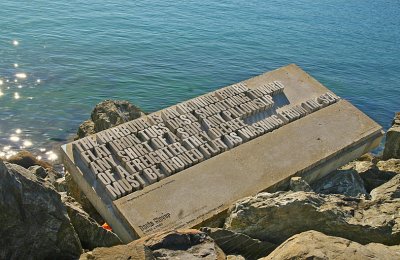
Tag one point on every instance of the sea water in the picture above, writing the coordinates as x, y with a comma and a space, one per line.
60, 58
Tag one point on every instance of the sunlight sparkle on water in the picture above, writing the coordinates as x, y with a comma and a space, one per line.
38, 81
51, 156
6, 148
27, 143
20, 75
16, 95
19, 86
15, 65
18, 131
14, 138
1, 82
1, 93
15, 42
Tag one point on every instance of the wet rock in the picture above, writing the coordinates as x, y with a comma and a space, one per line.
239, 244
316, 245
107, 114
34, 222
298, 184
90, 233
392, 143
181, 244
344, 181
75, 192
278, 216
27, 159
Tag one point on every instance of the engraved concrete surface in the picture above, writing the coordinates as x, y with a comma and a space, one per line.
183, 165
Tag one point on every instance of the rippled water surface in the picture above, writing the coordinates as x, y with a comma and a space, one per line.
59, 58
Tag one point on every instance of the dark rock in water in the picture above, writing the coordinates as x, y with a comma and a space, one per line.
344, 181
75, 192
299, 184
180, 244
392, 143
90, 233
85, 129
34, 222
278, 216
26, 160
239, 244
316, 245
107, 114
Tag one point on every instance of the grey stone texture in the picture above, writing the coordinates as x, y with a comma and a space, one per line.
316, 245
107, 114
34, 222
179, 244
278, 216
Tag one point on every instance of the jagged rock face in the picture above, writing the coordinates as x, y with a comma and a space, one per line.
392, 143
90, 233
342, 181
278, 216
388, 191
34, 222
315, 245
107, 114
239, 244
181, 244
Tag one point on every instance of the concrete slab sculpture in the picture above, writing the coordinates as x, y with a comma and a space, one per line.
186, 164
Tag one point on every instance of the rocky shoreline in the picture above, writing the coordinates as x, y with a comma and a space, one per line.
353, 212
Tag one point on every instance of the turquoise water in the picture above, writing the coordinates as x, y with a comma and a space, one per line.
156, 54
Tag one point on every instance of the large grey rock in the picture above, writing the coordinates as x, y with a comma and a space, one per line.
90, 233
34, 223
392, 143
181, 244
315, 245
107, 114
239, 244
278, 216
344, 181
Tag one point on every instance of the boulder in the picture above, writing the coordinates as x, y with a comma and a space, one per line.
178, 244
344, 181
299, 184
34, 222
276, 217
316, 245
90, 233
392, 143
107, 114
239, 244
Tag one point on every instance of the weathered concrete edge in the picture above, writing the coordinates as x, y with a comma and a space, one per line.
110, 212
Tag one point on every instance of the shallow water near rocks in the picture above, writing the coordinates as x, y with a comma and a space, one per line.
60, 58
